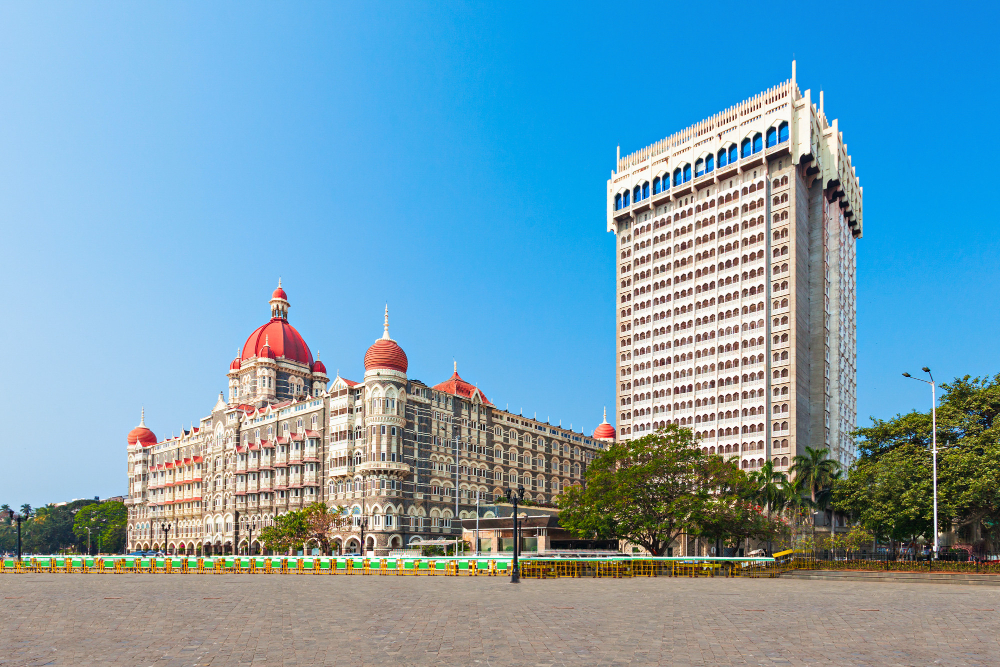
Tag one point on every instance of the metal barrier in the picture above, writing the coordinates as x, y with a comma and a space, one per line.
534, 567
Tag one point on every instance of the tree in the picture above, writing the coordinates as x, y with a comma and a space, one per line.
107, 522
646, 491
294, 529
815, 473
322, 522
26, 510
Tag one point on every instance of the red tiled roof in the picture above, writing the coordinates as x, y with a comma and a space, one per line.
456, 386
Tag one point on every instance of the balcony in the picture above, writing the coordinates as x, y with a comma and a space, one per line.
384, 466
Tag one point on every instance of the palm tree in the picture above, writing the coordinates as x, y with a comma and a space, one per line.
815, 472
768, 491
26, 510
4, 509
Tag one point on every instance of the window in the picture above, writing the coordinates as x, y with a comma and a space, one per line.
709, 163
656, 185
677, 177
732, 154
723, 161
699, 167
772, 137
783, 133
618, 202
687, 173
636, 194
758, 143
745, 148
645, 190
625, 201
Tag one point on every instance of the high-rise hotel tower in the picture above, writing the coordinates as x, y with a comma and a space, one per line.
736, 241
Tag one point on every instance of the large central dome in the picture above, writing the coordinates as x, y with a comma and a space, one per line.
278, 335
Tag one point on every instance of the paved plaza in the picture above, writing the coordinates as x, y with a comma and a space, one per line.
168, 620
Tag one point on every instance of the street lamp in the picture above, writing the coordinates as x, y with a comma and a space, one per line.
933, 444
15, 516
514, 497
250, 526
88, 540
165, 527
363, 523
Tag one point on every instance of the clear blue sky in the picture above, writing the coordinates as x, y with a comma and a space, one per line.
161, 164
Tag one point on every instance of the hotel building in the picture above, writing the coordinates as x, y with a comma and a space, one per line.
403, 456
735, 282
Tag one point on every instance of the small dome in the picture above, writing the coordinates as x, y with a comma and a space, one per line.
319, 367
386, 353
605, 431
237, 362
279, 294
140, 434
266, 352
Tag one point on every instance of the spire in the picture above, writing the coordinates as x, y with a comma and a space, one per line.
385, 327
142, 417
456, 366
279, 281
605, 415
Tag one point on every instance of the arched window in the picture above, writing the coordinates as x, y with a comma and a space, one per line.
732, 154
758, 143
656, 185
625, 196
636, 194
677, 177
687, 173
618, 202
772, 137
745, 148
723, 158
699, 167
783, 133
709, 163
645, 190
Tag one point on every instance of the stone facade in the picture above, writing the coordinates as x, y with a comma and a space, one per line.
385, 449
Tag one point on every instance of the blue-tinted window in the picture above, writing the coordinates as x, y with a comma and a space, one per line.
687, 173
722, 158
625, 198
618, 202
677, 177
645, 189
745, 148
636, 196
758, 143
656, 185
732, 154
783, 133
772, 137
699, 167
709, 163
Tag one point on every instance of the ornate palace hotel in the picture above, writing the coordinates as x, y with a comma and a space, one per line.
384, 448
736, 247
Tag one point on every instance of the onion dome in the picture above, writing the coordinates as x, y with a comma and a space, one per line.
605, 431
319, 367
237, 362
140, 434
386, 353
266, 352
456, 386
288, 343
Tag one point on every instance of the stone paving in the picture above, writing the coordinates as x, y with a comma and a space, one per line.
167, 620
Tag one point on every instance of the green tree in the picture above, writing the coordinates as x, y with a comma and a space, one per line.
646, 491
289, 531
107, 522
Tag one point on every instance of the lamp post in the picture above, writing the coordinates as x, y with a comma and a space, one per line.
88, 540
165, 527
363, 523
250, 526
514, 497
15, 516
933, 446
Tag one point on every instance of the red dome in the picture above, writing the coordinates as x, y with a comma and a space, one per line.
235, 366
141, 434
279, 293
318, 367
386, 353
287, 343
605, 432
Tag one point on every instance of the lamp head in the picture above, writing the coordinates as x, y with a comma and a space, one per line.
520, 492
907, 375
508, 495
925, 369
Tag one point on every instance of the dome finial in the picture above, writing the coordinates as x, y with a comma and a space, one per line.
385, 327
142, 417
605, 415
455, 361
279, 281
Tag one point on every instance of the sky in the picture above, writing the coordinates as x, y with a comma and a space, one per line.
162, 164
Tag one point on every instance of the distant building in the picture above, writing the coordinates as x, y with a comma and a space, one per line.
736, 286
384, 448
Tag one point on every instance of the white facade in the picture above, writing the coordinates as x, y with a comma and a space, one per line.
736, 286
